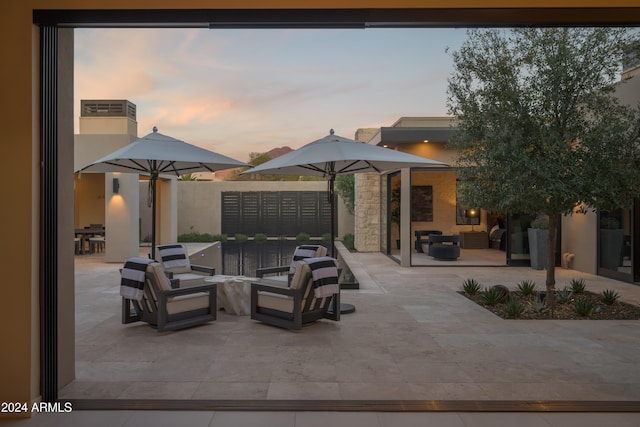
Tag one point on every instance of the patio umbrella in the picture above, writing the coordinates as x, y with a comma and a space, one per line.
334, 155
156, 154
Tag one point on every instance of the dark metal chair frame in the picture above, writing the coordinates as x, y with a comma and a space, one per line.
153, 306
302, 315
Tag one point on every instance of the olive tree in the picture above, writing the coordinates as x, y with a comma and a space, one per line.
539, 130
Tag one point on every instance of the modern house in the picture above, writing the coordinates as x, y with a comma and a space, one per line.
36, 109
401, 203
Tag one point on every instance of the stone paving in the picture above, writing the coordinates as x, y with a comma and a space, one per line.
412, 337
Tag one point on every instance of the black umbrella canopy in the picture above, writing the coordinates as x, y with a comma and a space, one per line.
156, 154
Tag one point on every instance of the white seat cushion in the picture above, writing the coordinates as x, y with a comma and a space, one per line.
275, 301
182, 303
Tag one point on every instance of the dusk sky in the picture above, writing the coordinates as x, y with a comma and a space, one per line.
242, 91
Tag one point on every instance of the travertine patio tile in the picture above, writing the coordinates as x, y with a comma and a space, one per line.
413, 336
213, 390
159, 390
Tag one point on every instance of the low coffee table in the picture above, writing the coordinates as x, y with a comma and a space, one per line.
234, 293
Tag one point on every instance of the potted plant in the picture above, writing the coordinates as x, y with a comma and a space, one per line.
538, 237
611, 242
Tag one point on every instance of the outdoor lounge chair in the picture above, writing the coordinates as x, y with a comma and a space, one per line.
273, 275
175, 260
304, 301
157, 302
444, 247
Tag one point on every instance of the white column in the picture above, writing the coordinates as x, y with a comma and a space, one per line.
121, 217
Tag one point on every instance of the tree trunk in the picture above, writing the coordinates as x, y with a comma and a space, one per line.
551, 262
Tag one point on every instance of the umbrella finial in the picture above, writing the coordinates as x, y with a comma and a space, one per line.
155, 129
331, 132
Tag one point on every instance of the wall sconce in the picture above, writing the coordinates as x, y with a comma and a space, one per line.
116, 186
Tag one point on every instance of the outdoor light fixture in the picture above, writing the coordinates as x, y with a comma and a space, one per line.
116, 185
472, 214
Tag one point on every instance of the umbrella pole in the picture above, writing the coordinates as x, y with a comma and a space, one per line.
332, 180
154, 179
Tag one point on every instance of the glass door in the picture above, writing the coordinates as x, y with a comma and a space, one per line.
517, 243
393, 195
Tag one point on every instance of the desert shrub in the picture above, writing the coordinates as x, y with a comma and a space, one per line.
513, 309
609, 296
470, 286
260, 238
241, 238
303, 237
578, 285
564, 295
492, 296
583, 307
195, 237
527, 287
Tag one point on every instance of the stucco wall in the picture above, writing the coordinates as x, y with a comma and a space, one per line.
199, 202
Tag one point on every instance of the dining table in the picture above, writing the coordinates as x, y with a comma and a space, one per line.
86, 233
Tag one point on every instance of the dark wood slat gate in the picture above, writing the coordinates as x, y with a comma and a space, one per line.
276, 213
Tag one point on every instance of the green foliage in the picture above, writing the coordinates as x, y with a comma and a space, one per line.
609, 296
539, 304
578, 285
513, 309
564, 295
303, 237
583, 307
470, 286
345, 188
349, 241
492, 296
196, 237
538, 127
187, 177
527, 287
241, 238
610, 223
326, 237
256, 159
260, 238
540, 223
220, 238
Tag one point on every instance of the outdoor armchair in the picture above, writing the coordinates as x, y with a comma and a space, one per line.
175, 260
443, 247
275, 276
312, 295
148, 296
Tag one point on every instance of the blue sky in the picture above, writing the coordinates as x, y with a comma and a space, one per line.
242, 91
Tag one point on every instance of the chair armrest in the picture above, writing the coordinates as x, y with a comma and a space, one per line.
208, 287
275, 289
204, 269
271, 270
